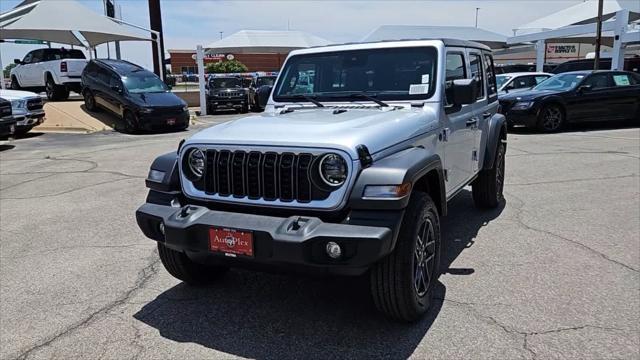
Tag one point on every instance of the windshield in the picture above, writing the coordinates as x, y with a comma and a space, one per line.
387, 74
502, 79
560, 82
143, 82
265, 80
232, 82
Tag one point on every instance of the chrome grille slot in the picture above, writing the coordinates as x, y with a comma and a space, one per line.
222, 172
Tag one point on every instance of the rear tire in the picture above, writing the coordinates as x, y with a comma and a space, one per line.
55, 92
182, 268
488, 188
402, 283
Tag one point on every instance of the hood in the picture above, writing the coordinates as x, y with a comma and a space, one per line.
528, 95
158, 99
321, 128
17, 94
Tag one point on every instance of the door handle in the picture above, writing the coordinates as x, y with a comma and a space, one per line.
472, 121
487, 115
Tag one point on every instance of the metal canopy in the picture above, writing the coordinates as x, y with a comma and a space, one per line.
265, 41
61, 22
414, 32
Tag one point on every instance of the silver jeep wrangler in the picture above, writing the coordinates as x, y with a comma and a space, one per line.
347, 172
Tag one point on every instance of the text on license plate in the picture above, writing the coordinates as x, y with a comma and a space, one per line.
231, 241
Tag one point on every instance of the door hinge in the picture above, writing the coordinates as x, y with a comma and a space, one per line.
444, 135
446, 175
474, 155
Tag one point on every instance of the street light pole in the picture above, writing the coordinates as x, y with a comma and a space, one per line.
596, 61
221, 32
477, 16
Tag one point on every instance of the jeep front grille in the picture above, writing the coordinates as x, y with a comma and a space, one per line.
260, 175
229, 94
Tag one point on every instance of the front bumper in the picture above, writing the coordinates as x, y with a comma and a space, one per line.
28, 119
154, 122
7, 127
227, 103
277, 241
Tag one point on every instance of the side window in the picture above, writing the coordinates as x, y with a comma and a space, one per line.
37, 56
114, 80
598, 81
27, 58
540, 79
492, 89
103, 76
623, 80
455, 70
475, 65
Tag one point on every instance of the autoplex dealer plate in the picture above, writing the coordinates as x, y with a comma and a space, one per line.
231, 242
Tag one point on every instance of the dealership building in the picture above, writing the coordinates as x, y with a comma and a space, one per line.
259, 50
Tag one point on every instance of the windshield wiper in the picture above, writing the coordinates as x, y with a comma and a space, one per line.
371, 97
309, 98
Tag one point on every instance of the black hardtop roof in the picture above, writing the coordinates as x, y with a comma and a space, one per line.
121, 67
447, 42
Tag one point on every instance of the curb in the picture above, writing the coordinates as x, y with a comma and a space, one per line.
64, 129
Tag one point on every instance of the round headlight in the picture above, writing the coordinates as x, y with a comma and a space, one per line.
333, 169
196, 163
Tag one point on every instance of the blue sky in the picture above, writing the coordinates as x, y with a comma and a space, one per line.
189, 23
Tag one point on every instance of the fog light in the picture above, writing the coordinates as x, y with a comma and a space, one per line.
161, 228
333, 250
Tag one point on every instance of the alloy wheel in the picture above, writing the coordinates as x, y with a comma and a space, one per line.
500, 172
49, 89
424, 257
552, 118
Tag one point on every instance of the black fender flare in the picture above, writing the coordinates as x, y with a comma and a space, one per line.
497, 131
167, 163
408, 165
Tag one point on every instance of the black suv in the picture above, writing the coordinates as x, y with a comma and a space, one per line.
7, 122
134, 94
227, 92
260, 91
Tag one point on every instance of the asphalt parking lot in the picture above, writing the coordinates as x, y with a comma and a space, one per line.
552, 274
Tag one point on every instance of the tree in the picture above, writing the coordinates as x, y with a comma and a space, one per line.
7, 70
228, 66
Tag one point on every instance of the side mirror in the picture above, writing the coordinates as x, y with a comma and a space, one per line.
584, 88
17, 61
117, 89
464, 91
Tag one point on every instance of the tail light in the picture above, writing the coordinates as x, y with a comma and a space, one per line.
63, 66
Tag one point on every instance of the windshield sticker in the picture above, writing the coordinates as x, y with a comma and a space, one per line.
425, 78
415, 89
621, 80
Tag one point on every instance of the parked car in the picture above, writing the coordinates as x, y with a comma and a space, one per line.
7, 122
519, 81
27, 109
227, 92
574, 97
348, 178
57, 71
512, 68
137, 96
630, 64
260, 90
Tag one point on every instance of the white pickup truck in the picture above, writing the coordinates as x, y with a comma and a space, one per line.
57, 71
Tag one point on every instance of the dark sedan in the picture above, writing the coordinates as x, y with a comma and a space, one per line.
575, 97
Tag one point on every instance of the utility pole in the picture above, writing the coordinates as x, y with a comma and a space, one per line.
221, 32
596, 59
477, 16
155, 20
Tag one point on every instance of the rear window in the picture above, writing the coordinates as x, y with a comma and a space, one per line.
60, 54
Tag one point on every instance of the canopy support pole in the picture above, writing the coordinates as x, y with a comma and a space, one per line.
2, 85
201, 80
617, 55
540, 51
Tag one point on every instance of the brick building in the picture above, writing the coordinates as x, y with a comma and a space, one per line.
259, 50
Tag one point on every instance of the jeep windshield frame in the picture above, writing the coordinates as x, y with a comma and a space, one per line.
389, 74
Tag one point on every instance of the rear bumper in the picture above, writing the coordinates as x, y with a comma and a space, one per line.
277, 242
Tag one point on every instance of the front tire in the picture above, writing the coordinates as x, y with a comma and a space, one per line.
15, 85
551, 118
488, 188
182, 268
402, 283
130, 123
90, 101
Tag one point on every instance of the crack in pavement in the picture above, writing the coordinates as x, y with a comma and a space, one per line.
27, 181
66, 191
72, 248
144, 276
572, 180
521, 222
